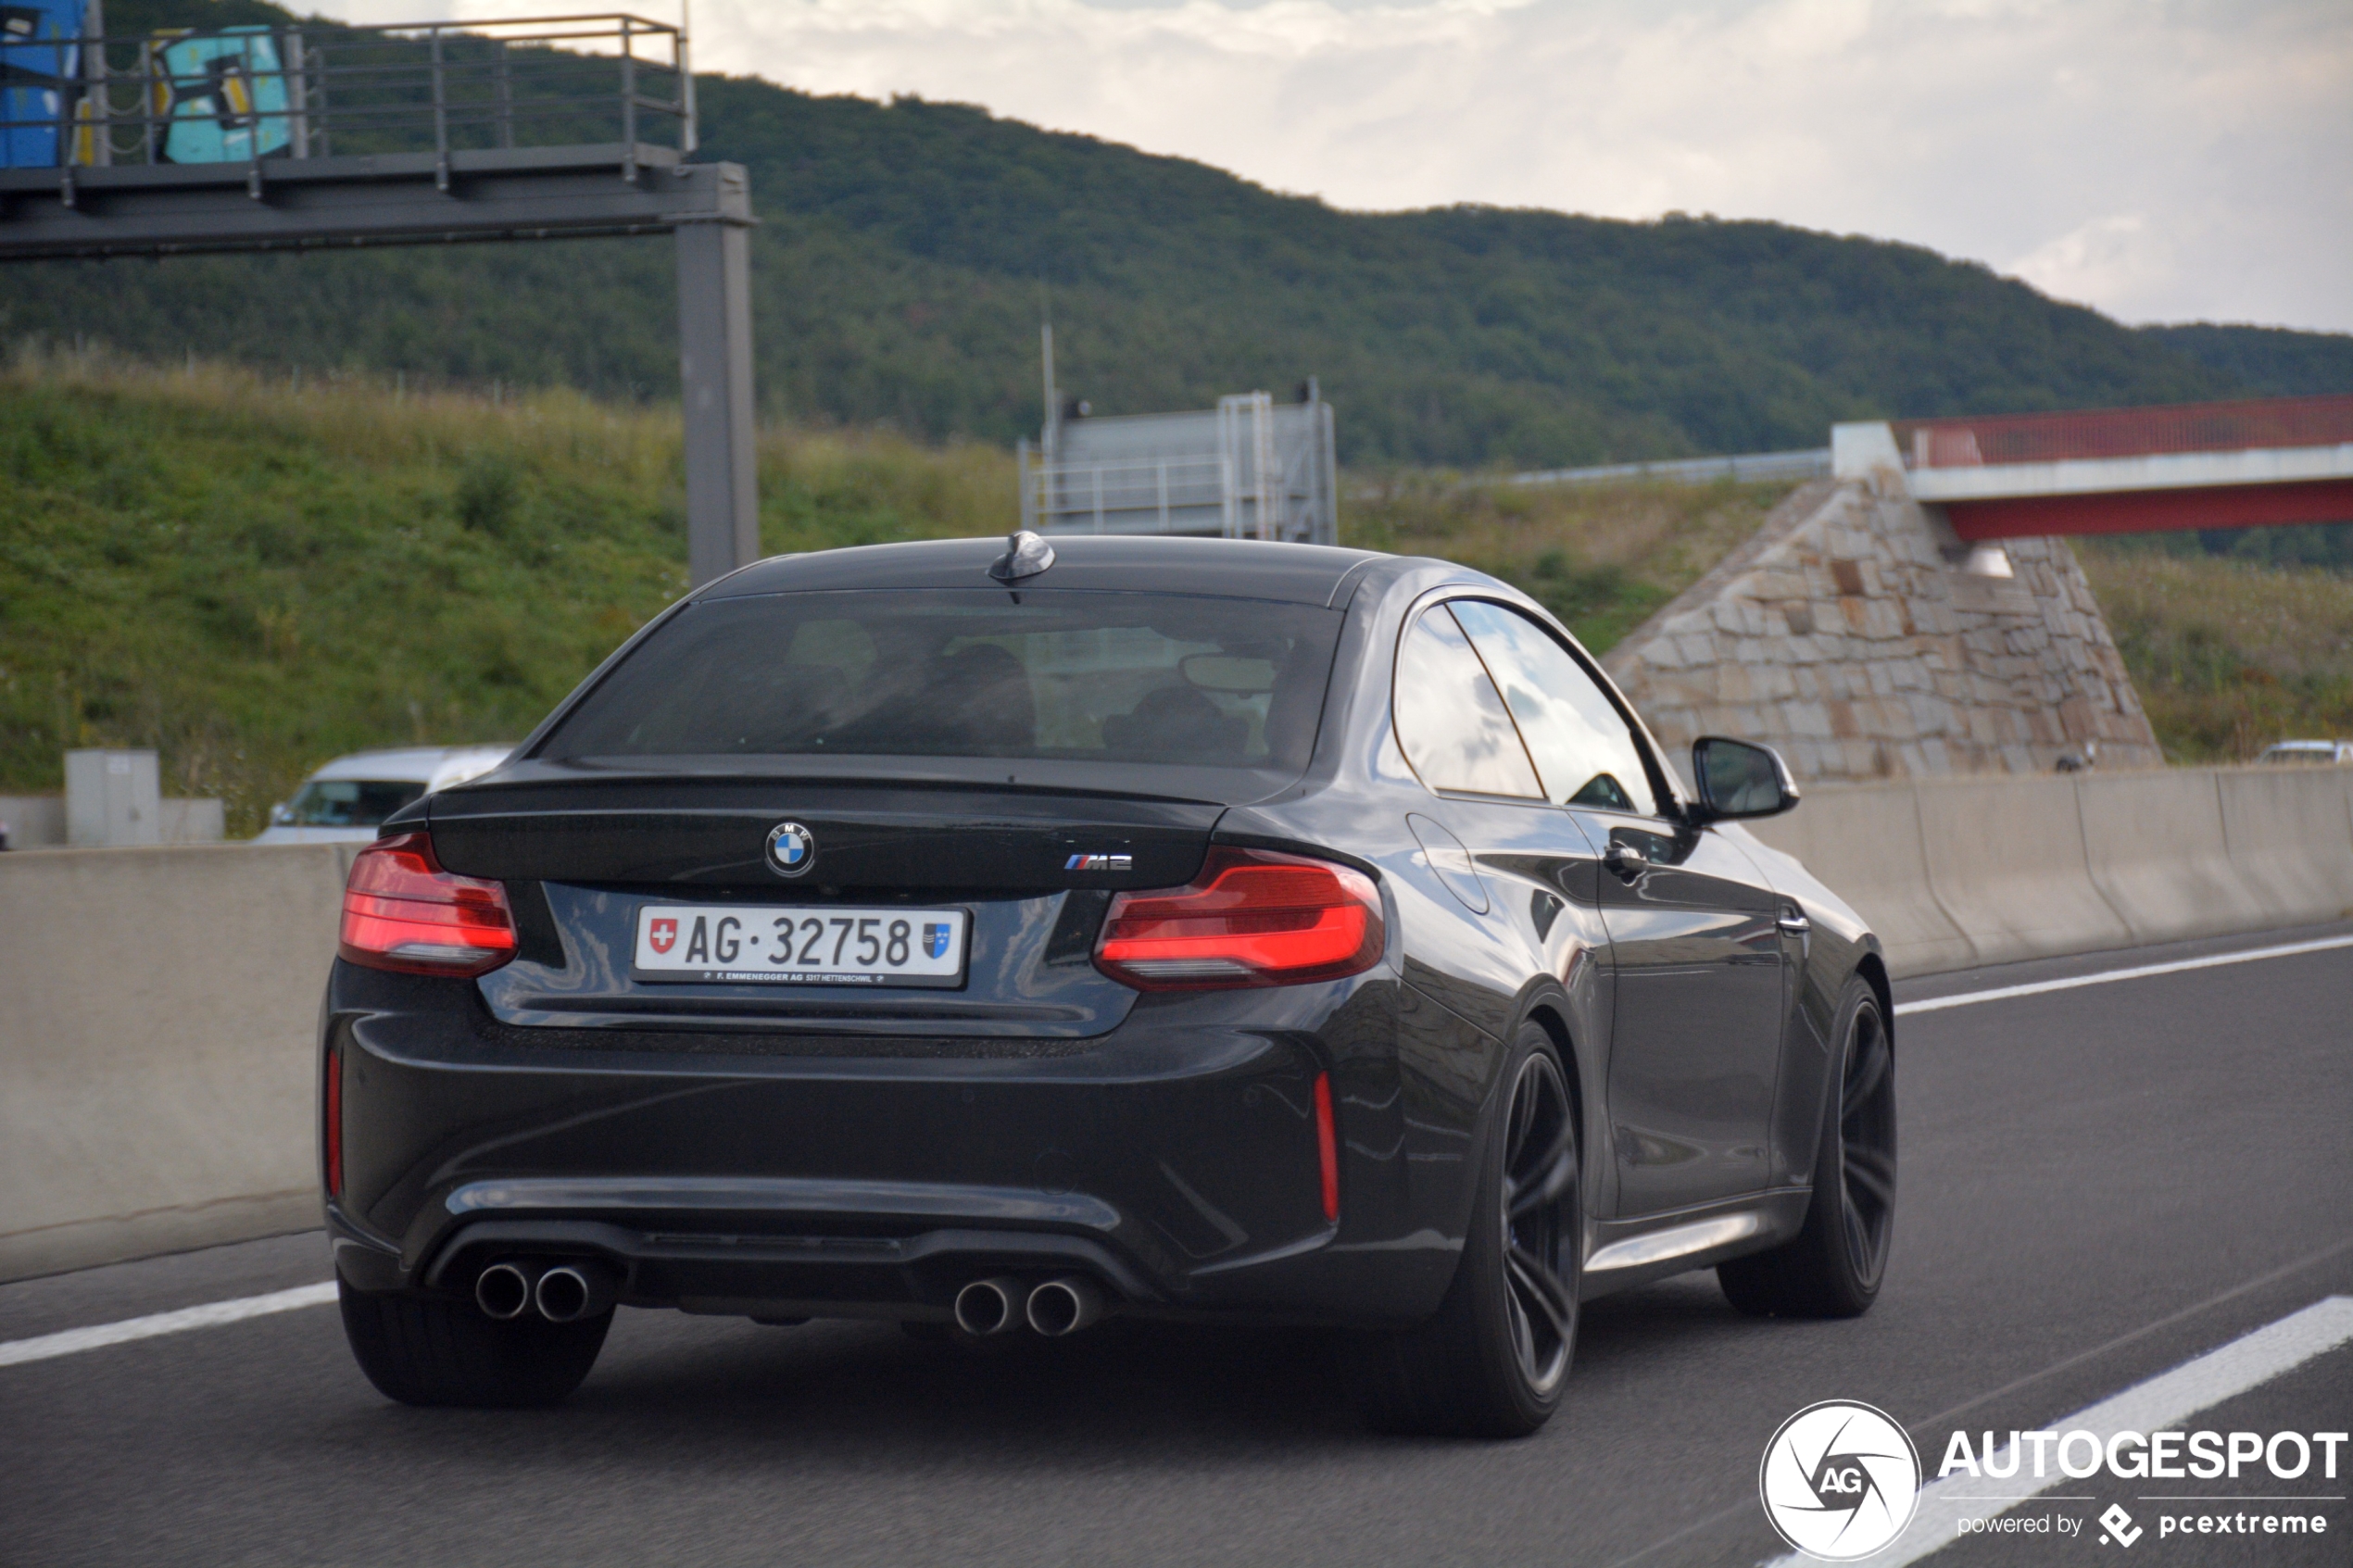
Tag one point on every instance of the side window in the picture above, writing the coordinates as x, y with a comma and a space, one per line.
1582, 747
1449, 719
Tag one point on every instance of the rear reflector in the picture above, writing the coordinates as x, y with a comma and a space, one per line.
1327, 1146
333, 1118
1250, 918
402, 911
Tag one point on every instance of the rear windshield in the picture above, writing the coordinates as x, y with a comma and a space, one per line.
1104, 677
349, 803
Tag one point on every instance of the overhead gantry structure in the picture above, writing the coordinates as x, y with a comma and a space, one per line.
331, 138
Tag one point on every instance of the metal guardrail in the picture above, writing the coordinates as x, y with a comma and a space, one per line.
251, 95
2126, 433
1250, 469
1135, 495
1746, 468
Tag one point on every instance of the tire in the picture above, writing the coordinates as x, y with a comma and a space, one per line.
1494, 1360
1833, 1267
427, 1352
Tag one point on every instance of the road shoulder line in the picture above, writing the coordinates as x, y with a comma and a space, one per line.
2139, 971
212, 1314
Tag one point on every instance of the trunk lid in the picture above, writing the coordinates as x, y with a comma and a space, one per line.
1032, 868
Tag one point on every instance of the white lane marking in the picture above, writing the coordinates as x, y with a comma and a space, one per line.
2160, 1404
1967, 999
211, 1315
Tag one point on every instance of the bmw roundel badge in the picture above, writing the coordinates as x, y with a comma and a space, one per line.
792, 849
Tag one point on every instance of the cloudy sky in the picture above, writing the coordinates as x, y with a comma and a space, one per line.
2165, 160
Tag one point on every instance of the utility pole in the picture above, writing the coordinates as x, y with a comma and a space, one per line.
1049, 436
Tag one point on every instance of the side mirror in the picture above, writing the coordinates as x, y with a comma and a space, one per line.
1738, 779
281, 814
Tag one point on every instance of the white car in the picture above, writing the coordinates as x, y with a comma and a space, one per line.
348, 799
2321, 751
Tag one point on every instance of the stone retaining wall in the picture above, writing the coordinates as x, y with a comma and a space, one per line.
1848, 635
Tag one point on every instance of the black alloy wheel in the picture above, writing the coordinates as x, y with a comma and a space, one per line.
1867, 1146
1833, 1267
1494, 1360
1539, 1165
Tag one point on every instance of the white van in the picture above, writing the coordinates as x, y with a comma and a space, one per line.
2321, 751
348, 799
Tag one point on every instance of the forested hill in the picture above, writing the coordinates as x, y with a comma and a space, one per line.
906, 250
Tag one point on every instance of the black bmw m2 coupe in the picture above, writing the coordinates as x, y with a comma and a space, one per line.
998, 937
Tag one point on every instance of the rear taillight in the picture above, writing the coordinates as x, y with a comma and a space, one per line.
1250, 918
402, 911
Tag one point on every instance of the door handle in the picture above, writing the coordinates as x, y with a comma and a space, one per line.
1626, 861
1794, 922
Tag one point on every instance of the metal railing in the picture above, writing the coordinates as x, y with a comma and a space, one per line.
2126, 433
1246, 470
251, 95
1134, 496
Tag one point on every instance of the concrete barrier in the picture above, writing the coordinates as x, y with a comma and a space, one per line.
2159, 858
38, 821
35, 822
2290, 836
1865, 842
2006, 859
157, 1008
1954, 872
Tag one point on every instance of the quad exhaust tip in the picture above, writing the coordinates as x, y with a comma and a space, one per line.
566, 1294
503, 1291
1065, 1306
560, 1292
988, 1306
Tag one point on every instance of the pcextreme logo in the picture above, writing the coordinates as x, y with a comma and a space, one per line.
1840, 1480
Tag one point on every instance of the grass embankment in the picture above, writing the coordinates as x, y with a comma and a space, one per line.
252, 578
2229, 656
1602, 557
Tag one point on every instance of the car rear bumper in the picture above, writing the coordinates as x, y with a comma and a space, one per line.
1174, 1161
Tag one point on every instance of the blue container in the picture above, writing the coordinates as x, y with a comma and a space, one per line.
38, 78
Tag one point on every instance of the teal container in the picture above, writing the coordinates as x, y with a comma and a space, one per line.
229, 99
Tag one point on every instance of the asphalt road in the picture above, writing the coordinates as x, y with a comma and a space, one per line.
2098, 1183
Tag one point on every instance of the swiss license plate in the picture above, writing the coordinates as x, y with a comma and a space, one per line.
800, 946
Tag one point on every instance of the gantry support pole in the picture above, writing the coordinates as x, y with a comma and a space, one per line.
715, 381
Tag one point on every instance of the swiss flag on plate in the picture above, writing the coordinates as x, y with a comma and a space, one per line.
664, 934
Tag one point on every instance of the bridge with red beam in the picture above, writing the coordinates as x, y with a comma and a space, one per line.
2120, 471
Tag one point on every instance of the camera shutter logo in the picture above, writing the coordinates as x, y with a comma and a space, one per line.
1840, 1480
792, 849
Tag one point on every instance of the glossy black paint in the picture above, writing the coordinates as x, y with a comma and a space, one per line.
791, 1151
